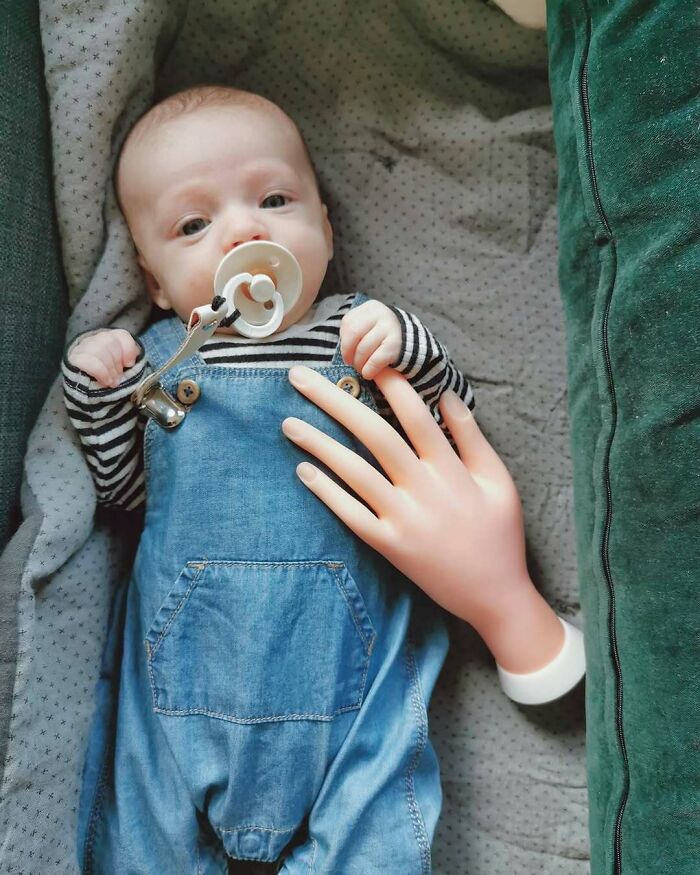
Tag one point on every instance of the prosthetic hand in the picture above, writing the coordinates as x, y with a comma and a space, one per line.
451, 523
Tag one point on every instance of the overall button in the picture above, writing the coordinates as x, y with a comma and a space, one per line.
349, 384
188, 391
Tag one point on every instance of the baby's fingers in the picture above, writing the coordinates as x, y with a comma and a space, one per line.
367, 346
355, 325
128, 348
350, 336
95, 367
385, 355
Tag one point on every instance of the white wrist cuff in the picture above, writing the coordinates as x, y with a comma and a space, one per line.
552, 680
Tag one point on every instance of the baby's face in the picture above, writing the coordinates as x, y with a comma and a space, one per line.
204, 182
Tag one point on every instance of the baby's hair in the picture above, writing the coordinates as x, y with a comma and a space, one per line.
192, 99
198, 97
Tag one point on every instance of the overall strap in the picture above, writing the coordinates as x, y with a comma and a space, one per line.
337, 357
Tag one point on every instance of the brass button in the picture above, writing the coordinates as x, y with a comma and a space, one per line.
187, 391
349, 384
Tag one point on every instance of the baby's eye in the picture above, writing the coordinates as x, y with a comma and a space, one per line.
194, 226
274, 200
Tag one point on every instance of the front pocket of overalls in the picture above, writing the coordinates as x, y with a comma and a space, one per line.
260, 641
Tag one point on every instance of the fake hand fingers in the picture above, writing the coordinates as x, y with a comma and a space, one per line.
360, 476
349, 510
475, 451
416, 420
386, 445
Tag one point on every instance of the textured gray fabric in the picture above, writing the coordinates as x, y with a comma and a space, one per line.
12, 562
430, 129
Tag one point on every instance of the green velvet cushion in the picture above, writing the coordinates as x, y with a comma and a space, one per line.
34, 303
624, 87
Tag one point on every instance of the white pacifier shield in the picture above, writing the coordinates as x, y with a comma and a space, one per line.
272, 274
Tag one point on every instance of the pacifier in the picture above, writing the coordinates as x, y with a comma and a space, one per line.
259, 282
254, 285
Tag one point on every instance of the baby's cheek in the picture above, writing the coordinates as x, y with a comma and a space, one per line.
196, 280
313, 268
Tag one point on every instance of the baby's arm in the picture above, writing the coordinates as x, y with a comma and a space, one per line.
374, 336
100, 371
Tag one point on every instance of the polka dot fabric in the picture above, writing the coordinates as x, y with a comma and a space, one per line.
430, 129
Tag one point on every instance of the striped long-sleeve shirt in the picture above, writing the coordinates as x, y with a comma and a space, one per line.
111, 428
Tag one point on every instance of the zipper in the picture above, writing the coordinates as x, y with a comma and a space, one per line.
611, 623
587, 129
604, 236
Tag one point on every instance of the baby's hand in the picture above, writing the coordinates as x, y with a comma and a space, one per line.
105, 355
370, 338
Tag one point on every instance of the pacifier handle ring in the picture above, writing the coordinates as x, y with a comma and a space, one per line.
265, 330
261, 288
265, 291
269, 269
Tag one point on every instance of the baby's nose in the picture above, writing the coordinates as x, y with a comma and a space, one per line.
231, 242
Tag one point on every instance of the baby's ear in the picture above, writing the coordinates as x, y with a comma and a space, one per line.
327, 231
157, 294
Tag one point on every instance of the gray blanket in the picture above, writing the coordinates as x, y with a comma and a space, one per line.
430, 127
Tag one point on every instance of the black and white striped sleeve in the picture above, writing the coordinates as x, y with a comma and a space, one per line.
425, 363
110, 431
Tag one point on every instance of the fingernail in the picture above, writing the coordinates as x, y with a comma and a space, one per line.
306, 472
454, 405
296, 376
293, 428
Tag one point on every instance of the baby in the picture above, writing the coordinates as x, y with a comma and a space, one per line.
274, 673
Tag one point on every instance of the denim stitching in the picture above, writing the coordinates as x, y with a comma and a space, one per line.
355, 619
200, 569
95, 811
224, 372
312, 861
252, 826
326, 718
231, 718
416, 817
250, 563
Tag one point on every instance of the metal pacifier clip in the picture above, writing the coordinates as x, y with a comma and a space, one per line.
254, 285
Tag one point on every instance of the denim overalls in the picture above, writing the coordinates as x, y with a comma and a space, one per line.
271, 693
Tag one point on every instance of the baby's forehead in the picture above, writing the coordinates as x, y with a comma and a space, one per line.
264, 121
238, 119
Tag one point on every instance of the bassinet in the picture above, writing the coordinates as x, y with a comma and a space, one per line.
431, 130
